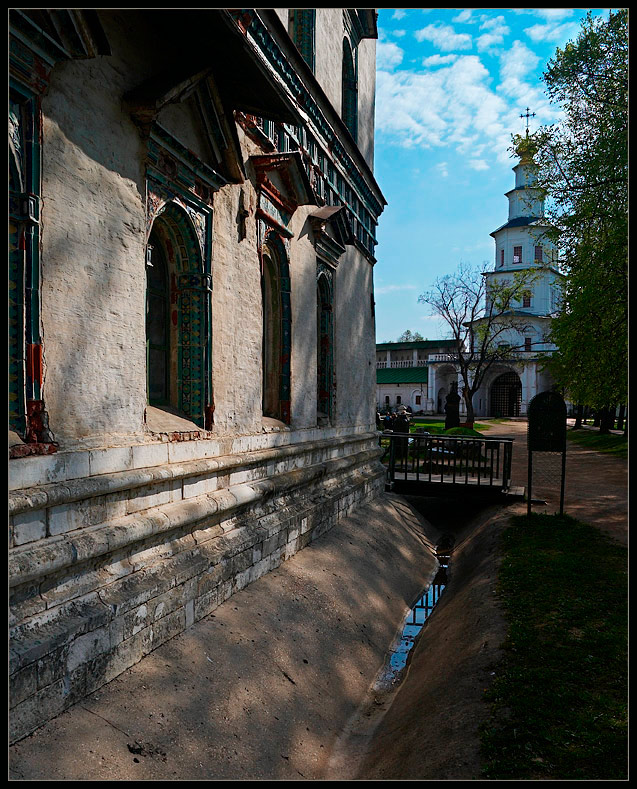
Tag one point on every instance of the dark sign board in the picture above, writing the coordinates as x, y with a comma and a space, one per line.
547, 423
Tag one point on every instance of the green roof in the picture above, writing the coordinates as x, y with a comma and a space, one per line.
401, 375
397, 346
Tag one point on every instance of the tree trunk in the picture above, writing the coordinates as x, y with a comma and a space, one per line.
468, 399
606, 420
578, 416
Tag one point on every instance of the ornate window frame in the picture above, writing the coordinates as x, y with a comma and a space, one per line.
179, 193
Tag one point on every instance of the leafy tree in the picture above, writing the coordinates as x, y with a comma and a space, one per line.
481, 320
583, 170
409, 336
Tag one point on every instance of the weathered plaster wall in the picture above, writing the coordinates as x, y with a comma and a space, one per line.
182, 121
329, 49
367, 98
124, 537
304, 340
236, 315
355, 346
92, 255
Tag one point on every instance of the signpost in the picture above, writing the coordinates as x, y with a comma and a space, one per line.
546, 433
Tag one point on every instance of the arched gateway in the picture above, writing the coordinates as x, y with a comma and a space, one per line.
506, 395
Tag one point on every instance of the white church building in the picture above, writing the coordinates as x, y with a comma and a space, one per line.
521, 245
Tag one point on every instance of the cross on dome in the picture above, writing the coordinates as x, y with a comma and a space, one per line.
527, 116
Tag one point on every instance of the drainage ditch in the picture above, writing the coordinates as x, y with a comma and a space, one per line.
413, 624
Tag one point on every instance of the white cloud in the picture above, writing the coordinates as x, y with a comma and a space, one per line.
399, 14
439, 60
496, 30
463, 16
388, 55
443, 169
454, 102
493, 23
478, 164
399, 33
444, 37
553, 14
517, 62
551, 32
453, 105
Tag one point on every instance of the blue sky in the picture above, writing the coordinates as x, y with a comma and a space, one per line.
451, 85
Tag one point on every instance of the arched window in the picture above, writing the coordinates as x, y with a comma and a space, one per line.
25, 346
349, 110
275, 290
17, 405
301, 26
177, 316
325, 349
157, 324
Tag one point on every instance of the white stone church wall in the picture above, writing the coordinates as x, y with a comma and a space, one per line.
124, 537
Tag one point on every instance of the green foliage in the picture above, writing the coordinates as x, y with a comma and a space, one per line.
409, 336
583, 170
437, 427
559, 699
462, 431
525, 146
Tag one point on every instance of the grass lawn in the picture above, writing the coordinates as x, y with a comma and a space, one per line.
559, 699
435, 426
611, 444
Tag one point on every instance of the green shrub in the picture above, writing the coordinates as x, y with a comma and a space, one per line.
462, 431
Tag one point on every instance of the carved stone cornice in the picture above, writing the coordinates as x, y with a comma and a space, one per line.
289, 167
330, 248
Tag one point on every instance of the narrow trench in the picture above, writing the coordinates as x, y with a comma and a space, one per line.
450, 519
413, 624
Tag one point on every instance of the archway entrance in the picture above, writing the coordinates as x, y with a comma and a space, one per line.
506, 395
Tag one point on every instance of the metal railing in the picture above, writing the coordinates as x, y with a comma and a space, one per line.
423, 459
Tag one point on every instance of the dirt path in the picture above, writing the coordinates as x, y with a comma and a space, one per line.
596, 489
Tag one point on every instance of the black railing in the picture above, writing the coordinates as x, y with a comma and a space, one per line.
417, 460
